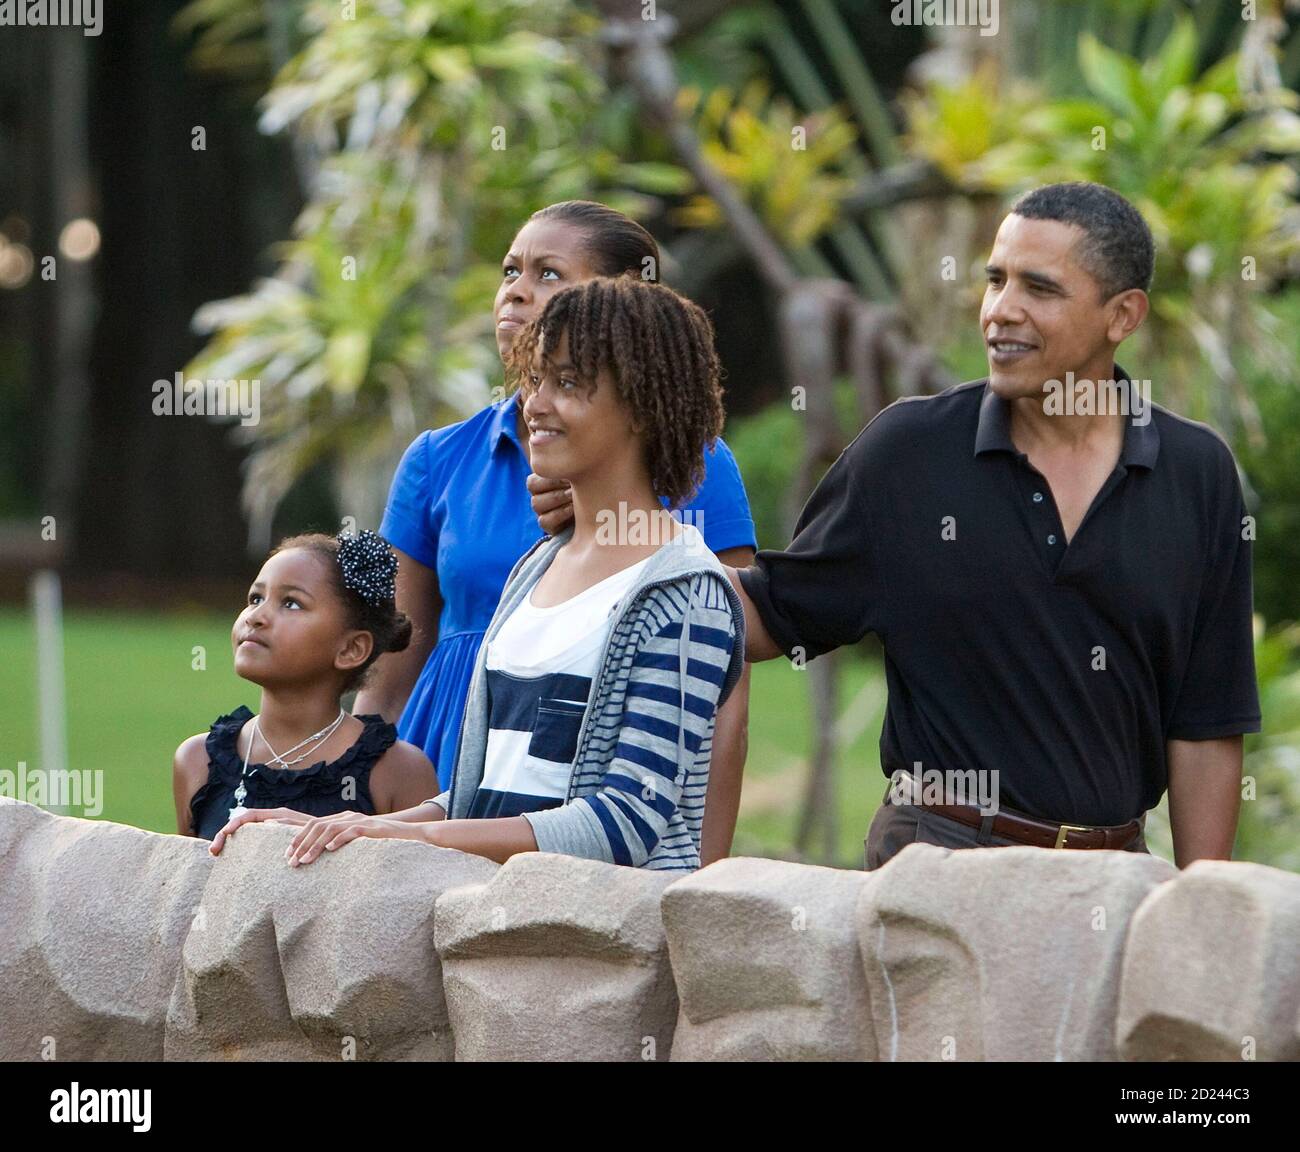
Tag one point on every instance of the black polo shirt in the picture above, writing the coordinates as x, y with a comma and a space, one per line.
1065, 667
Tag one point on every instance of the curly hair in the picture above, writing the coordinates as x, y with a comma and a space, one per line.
390, 629
658, 347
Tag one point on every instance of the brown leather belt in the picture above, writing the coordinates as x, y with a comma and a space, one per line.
1025, 829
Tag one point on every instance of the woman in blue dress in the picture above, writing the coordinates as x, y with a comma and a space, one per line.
460, 516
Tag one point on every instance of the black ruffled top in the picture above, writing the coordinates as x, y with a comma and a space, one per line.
318, 790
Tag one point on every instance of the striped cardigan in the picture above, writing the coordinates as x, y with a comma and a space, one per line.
673, 653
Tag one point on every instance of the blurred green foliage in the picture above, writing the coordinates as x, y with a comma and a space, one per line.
768, 446
426, 133
1273, 477
1202, 156
1268, 830
790, 169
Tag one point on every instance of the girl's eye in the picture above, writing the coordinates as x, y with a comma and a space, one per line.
551, 271
256, 597
508, 269
569, 384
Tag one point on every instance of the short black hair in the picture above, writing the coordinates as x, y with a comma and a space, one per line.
1118, 250
616, 244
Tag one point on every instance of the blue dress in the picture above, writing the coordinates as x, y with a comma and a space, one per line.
459, 504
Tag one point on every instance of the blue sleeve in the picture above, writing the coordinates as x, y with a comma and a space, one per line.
408, 521
720, 509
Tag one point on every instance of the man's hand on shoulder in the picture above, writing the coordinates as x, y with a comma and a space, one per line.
552, 503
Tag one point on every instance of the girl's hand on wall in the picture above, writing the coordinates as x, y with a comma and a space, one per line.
255, 816
328, 833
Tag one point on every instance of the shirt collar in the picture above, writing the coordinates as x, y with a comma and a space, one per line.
505, 423
1141, 441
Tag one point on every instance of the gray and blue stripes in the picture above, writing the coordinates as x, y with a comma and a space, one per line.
641, 772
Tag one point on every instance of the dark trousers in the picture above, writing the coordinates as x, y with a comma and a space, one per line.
897, 825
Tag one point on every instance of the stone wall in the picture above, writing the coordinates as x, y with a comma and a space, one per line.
123, 944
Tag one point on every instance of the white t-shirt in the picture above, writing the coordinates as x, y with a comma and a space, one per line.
540, 667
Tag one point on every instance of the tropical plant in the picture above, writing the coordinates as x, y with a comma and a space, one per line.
790, 169
1203, 157
426, 132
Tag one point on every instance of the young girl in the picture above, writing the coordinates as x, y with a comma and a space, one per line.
591, 709
319, 614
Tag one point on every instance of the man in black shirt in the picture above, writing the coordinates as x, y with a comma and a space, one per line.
1059, 570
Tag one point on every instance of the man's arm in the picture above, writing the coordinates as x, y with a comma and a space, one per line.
759, 644
730, 748
828, 588
1204, 797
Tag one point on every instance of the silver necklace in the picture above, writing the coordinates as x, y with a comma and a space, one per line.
319, 738
241, 793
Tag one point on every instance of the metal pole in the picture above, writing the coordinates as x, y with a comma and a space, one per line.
47, 609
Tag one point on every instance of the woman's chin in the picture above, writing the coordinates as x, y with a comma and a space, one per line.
549, 463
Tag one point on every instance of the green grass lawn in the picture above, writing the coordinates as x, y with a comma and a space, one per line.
133, 694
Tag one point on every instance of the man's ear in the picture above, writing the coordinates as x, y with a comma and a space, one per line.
1127, 311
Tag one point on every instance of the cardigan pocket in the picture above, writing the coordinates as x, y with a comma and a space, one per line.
555, 731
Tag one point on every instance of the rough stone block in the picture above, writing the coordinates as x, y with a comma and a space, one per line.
331, 960
558, 958
765, 955
92, 919
1212, 967
1000, 953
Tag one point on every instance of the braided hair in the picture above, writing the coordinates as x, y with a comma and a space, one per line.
658, 347
362, 571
